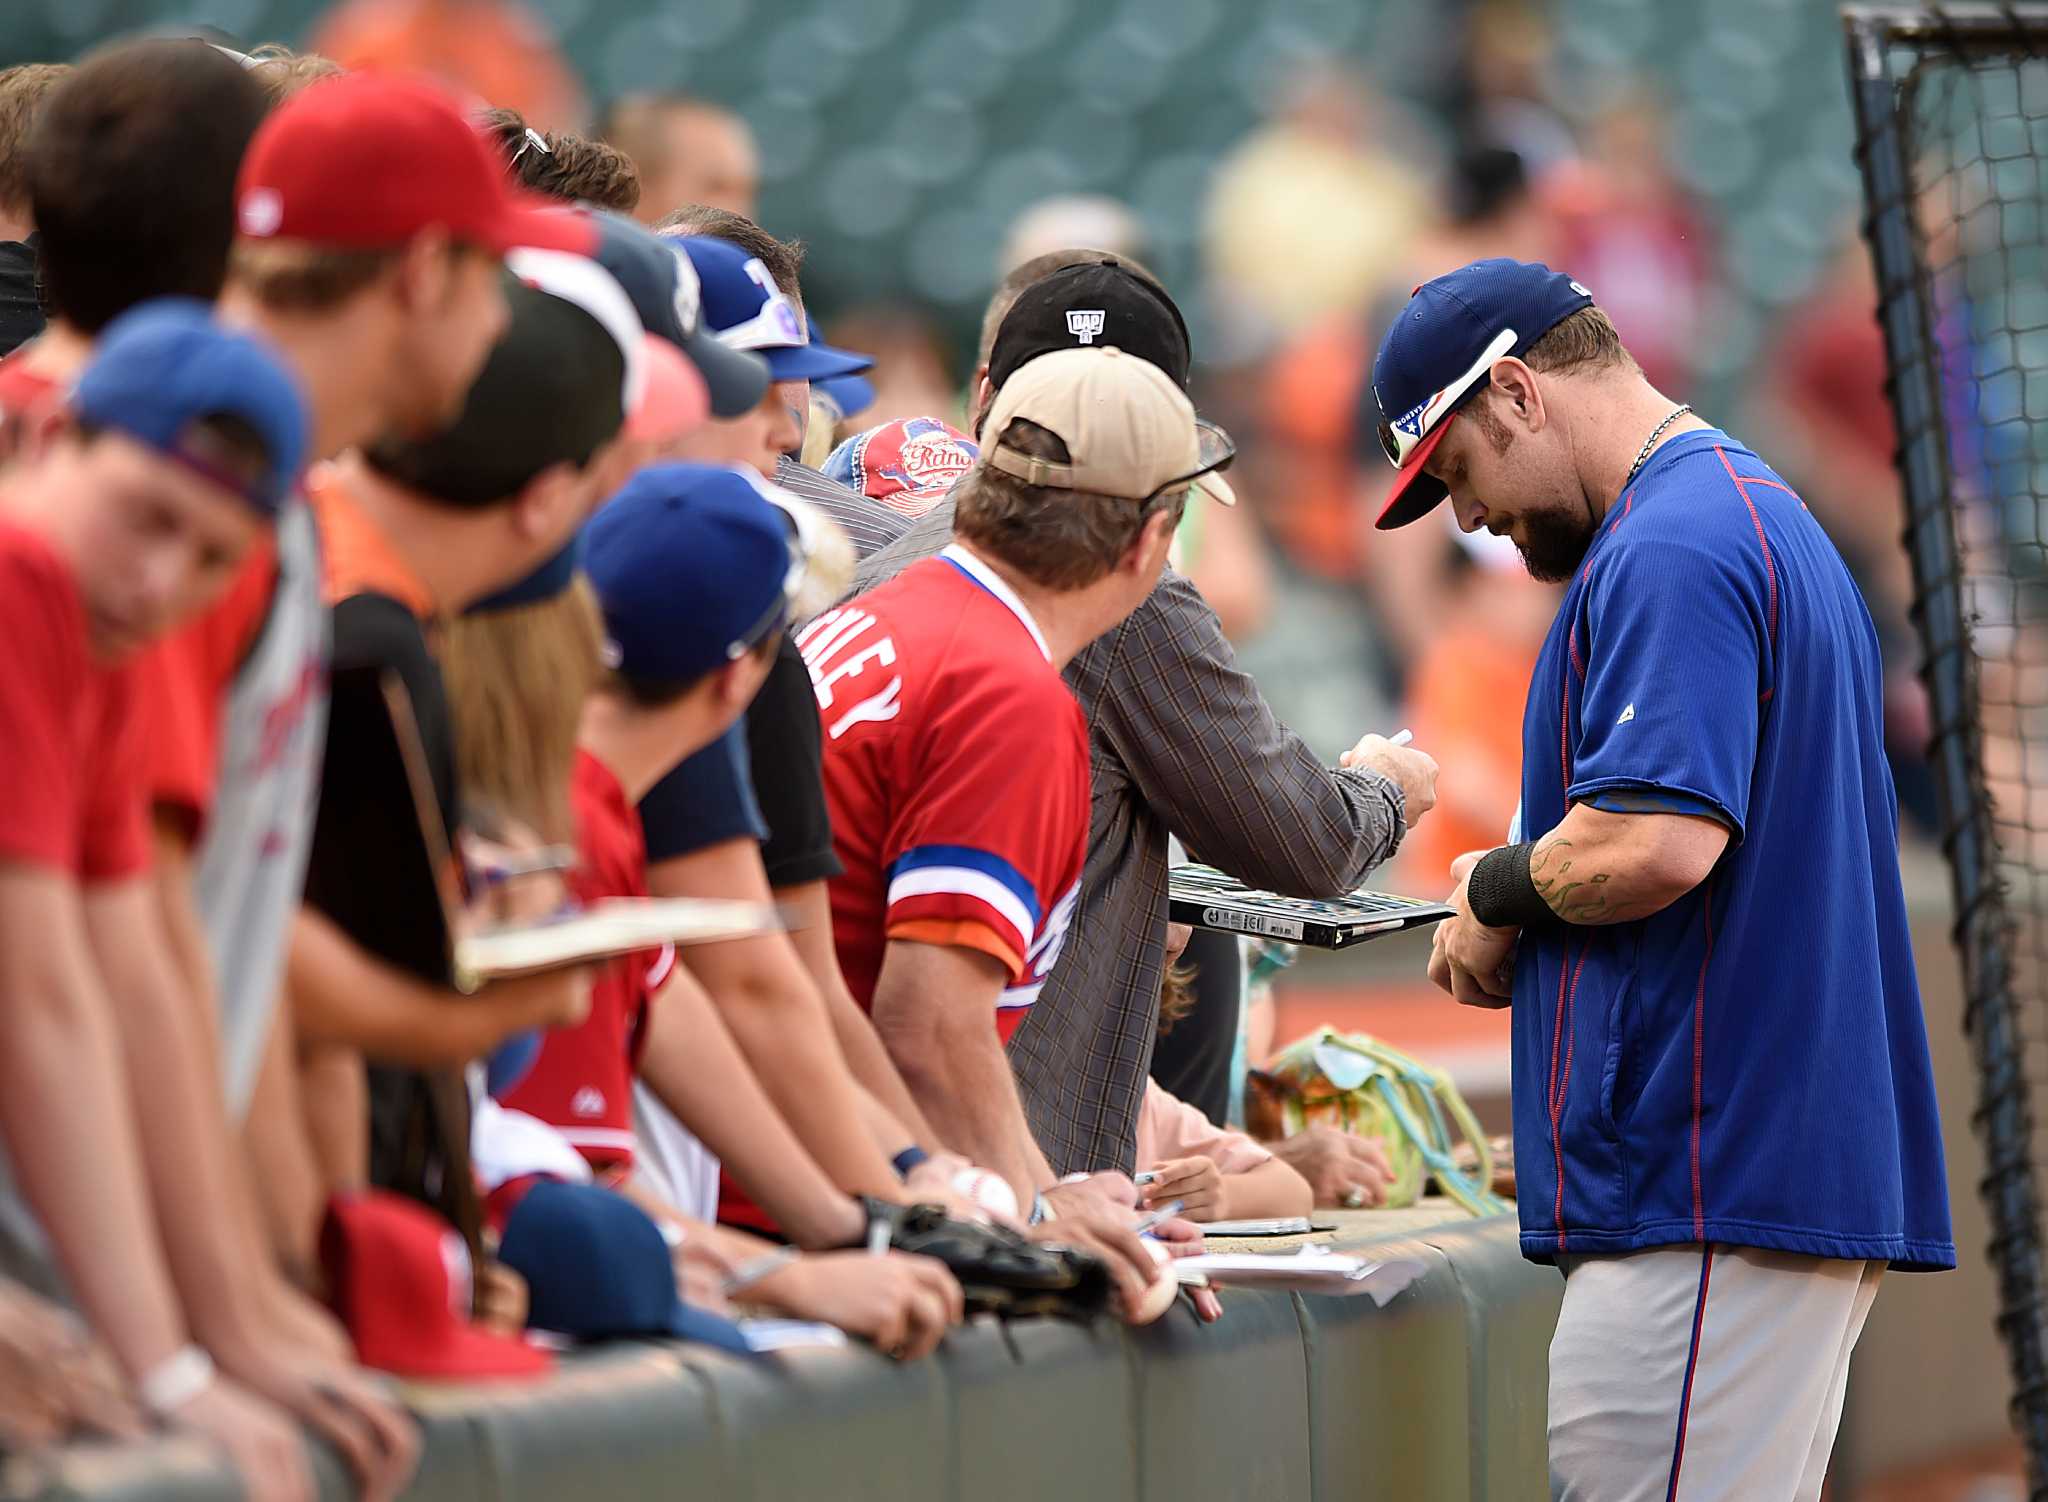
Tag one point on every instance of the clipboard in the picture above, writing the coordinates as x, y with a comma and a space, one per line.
1204, 897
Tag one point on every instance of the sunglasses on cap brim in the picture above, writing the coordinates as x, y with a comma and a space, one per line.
1213, 453
1397, 444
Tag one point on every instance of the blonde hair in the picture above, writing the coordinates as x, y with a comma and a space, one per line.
516, 681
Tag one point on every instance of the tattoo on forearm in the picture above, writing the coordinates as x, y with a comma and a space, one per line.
1577, 891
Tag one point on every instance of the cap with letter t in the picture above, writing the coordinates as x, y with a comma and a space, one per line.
1130, 432
1438, 353
165, 366
694, 565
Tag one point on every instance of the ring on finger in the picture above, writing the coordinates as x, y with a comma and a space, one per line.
1354, 1199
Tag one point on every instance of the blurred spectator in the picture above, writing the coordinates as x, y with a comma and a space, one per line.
494, 50
1627, 230
688, 151
1307, 217
562, 165
1056, 224
22, 90
913, 377
1508, 55
174, 452
1465, 692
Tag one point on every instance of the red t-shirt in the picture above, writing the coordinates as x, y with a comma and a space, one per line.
582, 1082
71, 754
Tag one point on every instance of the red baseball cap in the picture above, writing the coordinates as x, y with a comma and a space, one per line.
367, 160
399, 1278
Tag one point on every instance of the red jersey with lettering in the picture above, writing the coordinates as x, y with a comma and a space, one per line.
582, 1082
71, 754
956, 768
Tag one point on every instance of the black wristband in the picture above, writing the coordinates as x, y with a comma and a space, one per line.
1501, 894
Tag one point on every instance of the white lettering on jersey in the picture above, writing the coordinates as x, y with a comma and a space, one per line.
1044, 952
1627, 714
830, 634
882, 706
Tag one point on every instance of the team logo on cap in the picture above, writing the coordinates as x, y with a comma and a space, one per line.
262, 212
1085, 324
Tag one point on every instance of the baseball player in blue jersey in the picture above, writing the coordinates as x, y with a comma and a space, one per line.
1725, 1121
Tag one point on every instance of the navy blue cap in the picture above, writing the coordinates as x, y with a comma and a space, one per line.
597, 1268
745, 310
663, 288
546, 582
1438, 353
165, 364
693, 565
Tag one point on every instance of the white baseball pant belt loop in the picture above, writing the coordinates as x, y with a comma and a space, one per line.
1701, 1374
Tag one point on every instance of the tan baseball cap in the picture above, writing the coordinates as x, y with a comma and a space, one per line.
1130, 431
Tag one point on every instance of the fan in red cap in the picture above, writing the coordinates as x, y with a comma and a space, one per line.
368, 160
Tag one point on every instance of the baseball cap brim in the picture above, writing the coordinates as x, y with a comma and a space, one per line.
675, 398
466, 1354
709, 1329
1416, 494
813, 362
537, 223
735, 379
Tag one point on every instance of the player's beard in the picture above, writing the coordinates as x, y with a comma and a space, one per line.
1556, 546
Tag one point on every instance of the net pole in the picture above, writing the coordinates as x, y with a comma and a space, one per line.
2003, 1116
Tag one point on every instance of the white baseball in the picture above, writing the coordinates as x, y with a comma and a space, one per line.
989, 1190
1157, 1299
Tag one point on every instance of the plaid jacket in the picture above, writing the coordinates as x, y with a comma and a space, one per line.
1182, 742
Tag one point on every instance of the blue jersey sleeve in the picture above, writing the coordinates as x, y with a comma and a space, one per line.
1673, 666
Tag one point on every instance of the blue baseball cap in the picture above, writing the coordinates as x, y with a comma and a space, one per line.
694, 565
165, 364
597, 1267
1437, 355
744, 308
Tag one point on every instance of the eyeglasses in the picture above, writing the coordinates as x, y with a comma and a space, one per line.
1214, 451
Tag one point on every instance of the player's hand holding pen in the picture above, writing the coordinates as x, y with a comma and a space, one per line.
1414, 772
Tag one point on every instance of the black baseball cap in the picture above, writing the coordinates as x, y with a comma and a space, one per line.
550, 392
1108, 305
1102, 303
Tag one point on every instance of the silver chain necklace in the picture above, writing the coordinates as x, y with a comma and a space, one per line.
1651, 442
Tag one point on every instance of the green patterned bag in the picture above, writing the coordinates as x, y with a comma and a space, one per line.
1359, 1085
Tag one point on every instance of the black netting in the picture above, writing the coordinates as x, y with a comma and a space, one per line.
1952, 116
